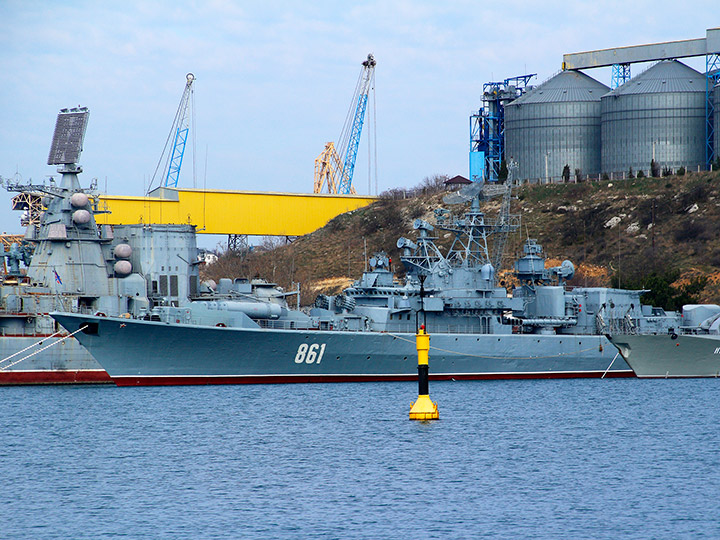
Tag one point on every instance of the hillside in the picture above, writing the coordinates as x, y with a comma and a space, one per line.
638, 233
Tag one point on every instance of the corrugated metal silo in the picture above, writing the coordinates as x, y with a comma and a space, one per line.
660, 112
555, 124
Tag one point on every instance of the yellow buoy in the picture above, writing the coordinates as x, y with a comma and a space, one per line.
423, 408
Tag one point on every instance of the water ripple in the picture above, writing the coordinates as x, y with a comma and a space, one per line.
508, 459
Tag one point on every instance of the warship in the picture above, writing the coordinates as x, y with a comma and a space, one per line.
478, 330
74, 265
691, 349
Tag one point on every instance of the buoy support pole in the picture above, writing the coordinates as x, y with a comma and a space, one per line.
423, 408
423, 380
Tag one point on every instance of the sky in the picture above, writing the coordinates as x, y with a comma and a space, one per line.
274, 81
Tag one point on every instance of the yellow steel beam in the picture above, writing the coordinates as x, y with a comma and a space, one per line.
231, 212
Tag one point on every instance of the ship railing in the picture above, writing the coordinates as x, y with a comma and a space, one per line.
327, 325
627, 326
23, 332
453, 329
286, 325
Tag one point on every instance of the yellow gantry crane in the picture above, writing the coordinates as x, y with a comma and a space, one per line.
328, 170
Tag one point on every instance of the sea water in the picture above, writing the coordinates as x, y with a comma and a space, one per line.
613, 458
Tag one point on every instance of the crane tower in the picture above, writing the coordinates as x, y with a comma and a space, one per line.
334, 167
182, 126
179, 134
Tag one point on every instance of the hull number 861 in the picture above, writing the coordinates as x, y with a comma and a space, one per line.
310, 354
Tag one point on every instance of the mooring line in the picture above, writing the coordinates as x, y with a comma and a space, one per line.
611, 363
28, 347
4, 368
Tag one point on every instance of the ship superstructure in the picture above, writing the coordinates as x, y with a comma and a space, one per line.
66, 262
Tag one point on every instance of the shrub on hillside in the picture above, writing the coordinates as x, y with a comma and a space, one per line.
654, 169
690, 230
661, 292
697, 194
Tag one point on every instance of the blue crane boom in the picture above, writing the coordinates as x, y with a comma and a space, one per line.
365, 81
182, 127
335, 165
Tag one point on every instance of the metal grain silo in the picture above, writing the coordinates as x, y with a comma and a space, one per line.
659, 113
556, 124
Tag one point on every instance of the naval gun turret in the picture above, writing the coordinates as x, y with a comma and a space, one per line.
545, 306
530, 269
15, 255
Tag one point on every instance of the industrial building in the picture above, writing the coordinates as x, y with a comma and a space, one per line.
574, 124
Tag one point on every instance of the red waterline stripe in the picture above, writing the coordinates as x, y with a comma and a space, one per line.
283, 379
35, 336
95, 376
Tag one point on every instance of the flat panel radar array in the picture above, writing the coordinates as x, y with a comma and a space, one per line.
68, 137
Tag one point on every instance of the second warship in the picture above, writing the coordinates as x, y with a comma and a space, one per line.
691, 349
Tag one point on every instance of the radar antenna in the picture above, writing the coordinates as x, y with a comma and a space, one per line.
465, 194
477, 191
67, 142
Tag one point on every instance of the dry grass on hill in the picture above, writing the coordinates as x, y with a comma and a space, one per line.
625, 229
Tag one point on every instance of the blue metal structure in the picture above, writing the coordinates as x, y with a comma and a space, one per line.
182, 127
487, 126
349, 141
620, 75
712, 74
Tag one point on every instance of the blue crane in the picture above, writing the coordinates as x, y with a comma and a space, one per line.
361, 98
335, 167
179, 134
182, 127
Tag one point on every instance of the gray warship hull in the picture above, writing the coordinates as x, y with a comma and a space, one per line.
63, 362
139, 353
667, 356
